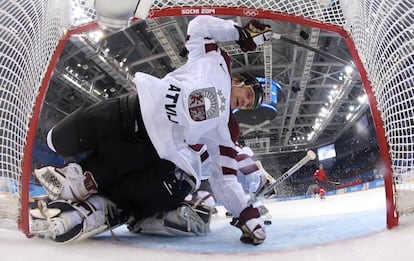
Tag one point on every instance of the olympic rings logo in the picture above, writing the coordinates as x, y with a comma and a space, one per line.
250, 12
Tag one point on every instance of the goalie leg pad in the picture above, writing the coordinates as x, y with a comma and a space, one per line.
151, 225
183, 221
39, 227
204, 212
76, 220
185, 218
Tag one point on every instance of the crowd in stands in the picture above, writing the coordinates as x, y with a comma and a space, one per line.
355, 168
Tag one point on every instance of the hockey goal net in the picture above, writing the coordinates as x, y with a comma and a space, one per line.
379, 34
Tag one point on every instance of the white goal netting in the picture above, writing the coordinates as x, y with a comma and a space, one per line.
29, 33
381, 31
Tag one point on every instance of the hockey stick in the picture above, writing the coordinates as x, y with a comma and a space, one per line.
310, 155
316, 50
335, 182
269, 177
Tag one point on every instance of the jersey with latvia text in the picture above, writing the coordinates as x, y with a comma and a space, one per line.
191, 105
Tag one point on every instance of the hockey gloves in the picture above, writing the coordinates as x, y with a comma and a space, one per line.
251, 225
69, 183
253, 34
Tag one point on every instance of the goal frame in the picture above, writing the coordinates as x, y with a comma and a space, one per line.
392, 215
23, 220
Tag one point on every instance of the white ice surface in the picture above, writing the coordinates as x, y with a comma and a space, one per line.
342, 227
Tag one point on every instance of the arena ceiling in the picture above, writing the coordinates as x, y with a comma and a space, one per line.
320, 94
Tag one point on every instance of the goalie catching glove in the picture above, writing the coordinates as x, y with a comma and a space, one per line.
69, 183
251, 225
253, 34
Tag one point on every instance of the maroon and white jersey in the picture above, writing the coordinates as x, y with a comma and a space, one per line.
191, 105
248, 173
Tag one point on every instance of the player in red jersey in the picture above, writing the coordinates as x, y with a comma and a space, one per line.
321, 179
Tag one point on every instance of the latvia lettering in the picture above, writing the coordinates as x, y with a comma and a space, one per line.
171, 104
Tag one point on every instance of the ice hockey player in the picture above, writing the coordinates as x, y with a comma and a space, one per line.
321, 179
152, 211
250, 174
129, 135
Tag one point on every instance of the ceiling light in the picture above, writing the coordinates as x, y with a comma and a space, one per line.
348, 70
96, 35
362, 99
74, 82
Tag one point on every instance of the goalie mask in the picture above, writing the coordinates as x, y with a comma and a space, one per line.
247, 79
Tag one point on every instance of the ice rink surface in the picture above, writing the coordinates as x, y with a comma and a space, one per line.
347, 227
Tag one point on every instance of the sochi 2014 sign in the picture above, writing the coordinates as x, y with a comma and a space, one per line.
198, 11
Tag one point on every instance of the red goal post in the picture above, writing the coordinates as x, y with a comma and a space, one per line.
379, 35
